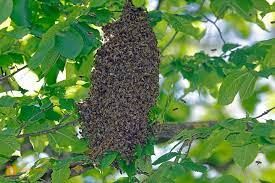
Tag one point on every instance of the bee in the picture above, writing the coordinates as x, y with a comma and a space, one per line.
258, 162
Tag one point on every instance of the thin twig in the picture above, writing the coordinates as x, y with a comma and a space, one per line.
12, 74
168, 44
265, 113
189, 147
159, 4
217, 27
57, 127
179, 151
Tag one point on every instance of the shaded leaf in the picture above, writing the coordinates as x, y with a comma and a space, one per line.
165, 157
245, 155
69, 43
6, 9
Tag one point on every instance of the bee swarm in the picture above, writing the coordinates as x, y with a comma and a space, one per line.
125, 86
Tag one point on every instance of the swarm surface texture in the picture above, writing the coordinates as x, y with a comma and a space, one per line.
125, 86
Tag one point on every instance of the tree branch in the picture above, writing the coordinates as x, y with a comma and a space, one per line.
57, 127
164, 132
265, 113
12, 74
159, 4
217, 27
168, 44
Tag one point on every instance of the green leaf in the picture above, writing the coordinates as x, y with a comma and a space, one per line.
6, 9
165, 157
39, 169
245, 155
49, 61
237, 81
155, 17
7, 180
209, 145
21, 13
39, 142
30, 113
69, 43
7, 101
227, 179
235, 125
66, 140
108, 159
98, 17
8, 145
45, 46
269, 61
247, 87
144, 164
138, 3
91, 37
242, 8
183, 23
239, 139
61, 172
67, 104
189, 164
128, 167
97, 3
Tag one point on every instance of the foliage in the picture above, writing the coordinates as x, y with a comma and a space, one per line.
60, 37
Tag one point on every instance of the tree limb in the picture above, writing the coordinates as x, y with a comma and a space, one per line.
57, 127
164, 132
12, 74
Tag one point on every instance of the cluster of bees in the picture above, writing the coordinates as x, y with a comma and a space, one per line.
125, 85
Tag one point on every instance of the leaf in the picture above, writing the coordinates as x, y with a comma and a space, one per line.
235, 125
30, 113
155, 17
49, 61
245, 155
138, 3
61, 172
269, 61
21, 13
67, 104
108, 159
39, 142
165, 157
144, 164
69, 43
7, 101
90, 36
66, 140
229, 46
8, 145
227, 179
97, 17
41, 54
247, 87
209, 145
243, 8
242, 81
98, 3
6, 9
39, 169
189, 164
183, 23
7, 180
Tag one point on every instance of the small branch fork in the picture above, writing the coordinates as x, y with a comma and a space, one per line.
12, 74
217, 27
54, 129
265, 113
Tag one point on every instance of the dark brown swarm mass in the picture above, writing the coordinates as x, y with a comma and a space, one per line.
125, 86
